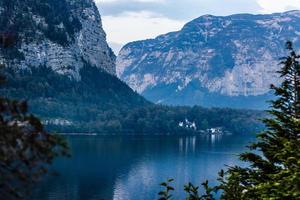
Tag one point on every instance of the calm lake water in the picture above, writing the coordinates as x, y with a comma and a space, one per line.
131, 168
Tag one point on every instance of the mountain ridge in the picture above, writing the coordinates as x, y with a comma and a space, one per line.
87, 98
231, 56
61, 35
64, 68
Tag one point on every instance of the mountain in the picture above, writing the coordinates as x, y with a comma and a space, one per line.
56, 57
62, 35
212, 61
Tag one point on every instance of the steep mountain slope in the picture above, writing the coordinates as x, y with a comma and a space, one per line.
59, 61
56, 57
212, 61
62, 35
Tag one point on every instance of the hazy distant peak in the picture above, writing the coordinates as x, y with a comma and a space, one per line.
222, 56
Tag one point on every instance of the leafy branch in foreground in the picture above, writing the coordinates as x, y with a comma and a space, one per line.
165, 193
26, 149
193, 193
190, 189
273, 170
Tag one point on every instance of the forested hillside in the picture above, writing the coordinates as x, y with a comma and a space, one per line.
61, 64
101, 103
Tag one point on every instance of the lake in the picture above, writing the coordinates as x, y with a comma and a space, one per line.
131, 168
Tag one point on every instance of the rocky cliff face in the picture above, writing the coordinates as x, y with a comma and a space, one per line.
63, 35
56, 58
211, 61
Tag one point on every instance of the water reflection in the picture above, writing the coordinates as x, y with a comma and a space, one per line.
187, 144
130, 168
215, 138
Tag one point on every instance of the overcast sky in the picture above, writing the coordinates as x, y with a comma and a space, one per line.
130, 20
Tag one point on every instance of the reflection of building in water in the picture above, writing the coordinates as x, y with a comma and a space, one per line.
215, 138
187, 144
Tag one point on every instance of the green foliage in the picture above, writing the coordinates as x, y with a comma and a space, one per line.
59, 24
208, 192
101, 103
165, 193
273, 170
26, 149
192, 192
190, 189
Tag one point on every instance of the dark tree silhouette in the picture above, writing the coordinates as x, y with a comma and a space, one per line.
273, 170
26, 149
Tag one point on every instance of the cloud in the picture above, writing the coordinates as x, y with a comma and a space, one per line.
116, 47
178, 9
131, 26
110, 1
278, 5
130, 20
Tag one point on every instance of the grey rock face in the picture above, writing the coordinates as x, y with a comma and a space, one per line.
78, 39
211, 58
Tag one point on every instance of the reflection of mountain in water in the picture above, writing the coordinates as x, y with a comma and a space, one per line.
132, 167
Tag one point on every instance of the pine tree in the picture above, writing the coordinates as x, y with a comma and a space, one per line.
274, 160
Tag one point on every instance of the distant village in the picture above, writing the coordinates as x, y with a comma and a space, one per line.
192, 125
